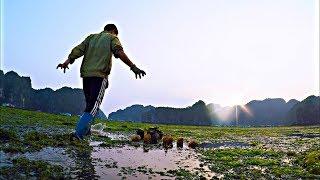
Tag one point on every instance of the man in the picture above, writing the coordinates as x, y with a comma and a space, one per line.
97, 51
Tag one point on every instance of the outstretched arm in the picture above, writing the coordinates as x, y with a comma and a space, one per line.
138, 72
76, 52
123, 56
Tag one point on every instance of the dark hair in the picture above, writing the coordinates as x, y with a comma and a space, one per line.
111, 27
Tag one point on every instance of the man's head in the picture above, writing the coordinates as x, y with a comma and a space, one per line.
111, 28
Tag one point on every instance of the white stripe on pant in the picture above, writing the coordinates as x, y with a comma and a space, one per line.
100, 97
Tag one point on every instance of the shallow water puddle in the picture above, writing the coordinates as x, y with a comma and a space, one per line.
307, 135
98, 129
114, 136
5, 159
56, 156
140, 163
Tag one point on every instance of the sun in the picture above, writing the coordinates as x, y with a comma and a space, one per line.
236, 100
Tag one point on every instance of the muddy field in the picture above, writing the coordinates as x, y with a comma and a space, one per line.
37, 145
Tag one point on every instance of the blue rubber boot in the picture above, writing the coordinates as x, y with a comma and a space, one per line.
83, 125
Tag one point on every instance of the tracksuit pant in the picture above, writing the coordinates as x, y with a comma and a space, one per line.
94, 89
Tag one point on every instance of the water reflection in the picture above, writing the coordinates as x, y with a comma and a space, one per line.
146, 162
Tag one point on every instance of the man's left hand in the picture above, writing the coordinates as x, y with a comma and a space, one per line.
138, 72
63, 66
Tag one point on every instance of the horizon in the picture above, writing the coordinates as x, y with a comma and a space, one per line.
242, 51
206, 103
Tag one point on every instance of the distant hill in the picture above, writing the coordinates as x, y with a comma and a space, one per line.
197, 114
132, 113
266, 112
306, 112
17, 91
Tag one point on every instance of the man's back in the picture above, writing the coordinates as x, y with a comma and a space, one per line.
97, 50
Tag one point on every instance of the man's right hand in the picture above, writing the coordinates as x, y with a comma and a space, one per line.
138, 72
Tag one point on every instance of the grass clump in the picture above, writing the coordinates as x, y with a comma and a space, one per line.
35, 141
14, 116
288, 171
24, 169
182, 174
7, 136
10, 142
256, 161
312, 162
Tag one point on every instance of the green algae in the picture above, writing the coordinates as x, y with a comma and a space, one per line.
24, 169
261, 163
312, 162
7, 135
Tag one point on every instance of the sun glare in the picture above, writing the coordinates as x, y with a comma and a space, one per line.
246, 110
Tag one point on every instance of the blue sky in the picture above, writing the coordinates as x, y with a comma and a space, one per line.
223, 51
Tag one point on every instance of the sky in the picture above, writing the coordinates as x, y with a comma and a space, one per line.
220, 51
